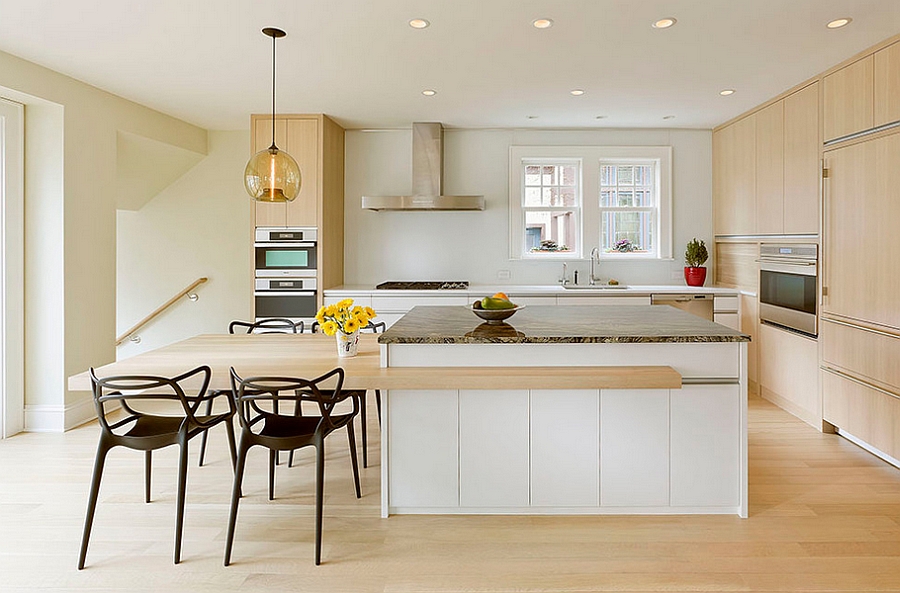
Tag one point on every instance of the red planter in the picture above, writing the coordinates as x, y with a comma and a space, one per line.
694, 276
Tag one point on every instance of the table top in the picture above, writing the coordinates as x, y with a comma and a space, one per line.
561, 324
311, 355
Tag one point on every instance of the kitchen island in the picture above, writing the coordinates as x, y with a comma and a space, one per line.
513, 449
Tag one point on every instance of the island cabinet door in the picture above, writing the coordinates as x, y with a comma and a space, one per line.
634, 447
565, 447
424, 448
706, 445
493, 448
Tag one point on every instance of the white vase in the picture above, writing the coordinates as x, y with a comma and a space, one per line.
347, 344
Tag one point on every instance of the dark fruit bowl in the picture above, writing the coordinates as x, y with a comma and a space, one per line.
496, 315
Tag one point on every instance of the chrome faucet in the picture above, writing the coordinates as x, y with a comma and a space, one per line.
595, 254
565, 277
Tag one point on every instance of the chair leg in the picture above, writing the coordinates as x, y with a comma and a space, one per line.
235, 497
273, 454
352, 438
182, 486
102, 450
298, 411
229, 429
378, 405
148, 462
362, 418
205, 434
320, 486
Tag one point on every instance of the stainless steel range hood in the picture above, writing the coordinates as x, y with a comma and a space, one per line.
428, 174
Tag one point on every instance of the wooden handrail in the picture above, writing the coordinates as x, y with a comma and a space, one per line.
159, 310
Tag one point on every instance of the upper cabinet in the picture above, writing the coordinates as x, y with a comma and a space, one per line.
766, 169
849, 99
863, 95
887, 85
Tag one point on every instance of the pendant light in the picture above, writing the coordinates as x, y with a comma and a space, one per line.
272, 175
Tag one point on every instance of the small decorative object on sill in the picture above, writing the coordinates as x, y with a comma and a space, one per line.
694, 257
344, 321
623, 246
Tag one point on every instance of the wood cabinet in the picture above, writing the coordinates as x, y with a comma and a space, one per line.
734, 178
861, 242
736, 267
887, 85
317, 144
770, 169
802, 170
789, 373
849, 99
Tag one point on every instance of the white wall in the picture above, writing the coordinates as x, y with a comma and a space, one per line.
197, 227
70, 227
474, 246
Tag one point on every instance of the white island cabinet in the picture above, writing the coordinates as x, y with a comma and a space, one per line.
569, 443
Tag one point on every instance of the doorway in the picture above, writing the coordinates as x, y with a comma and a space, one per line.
12, 282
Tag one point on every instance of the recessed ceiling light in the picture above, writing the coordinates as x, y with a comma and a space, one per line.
726, 92
576, 92
542, 23
664, 23
838, 23
418, 23
668, 117
429, 92
601, 117
532, 116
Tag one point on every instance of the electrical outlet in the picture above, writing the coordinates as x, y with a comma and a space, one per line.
502, 274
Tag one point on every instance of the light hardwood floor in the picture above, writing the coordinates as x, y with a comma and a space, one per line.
824, 516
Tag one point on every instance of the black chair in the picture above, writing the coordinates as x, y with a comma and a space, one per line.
147, 432
374, 328
259, 401
274, 325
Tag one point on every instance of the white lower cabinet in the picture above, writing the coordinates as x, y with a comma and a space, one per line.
565, 448
424, 445
634, 447
604, 300
493, 448
705, 440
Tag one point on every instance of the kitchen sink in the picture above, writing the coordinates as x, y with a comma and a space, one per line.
595, 287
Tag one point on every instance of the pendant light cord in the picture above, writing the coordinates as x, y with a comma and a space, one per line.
273, 94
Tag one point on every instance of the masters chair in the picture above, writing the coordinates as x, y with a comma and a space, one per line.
145, 427
259, 402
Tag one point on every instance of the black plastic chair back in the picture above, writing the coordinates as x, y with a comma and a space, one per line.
372, 327
275, 325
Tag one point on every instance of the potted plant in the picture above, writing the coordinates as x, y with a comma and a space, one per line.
694, 257
344, 321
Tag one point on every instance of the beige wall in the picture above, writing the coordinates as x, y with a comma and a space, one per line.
197, 227
70, 280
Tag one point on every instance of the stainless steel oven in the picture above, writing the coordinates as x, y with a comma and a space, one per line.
291, 298
788, 281
285, 252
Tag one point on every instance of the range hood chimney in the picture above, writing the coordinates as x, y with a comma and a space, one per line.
428, 178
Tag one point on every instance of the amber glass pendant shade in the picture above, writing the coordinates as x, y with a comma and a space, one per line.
272, 175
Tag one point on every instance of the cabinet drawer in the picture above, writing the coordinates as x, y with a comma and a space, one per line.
404, 304
867, 354
866, 413
726, 304
604, 300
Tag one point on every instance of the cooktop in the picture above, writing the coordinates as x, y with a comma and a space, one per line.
425, 285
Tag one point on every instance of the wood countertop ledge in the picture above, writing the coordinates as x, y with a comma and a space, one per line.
305, 355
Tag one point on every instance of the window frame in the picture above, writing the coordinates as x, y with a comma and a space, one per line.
576, 251
589, 225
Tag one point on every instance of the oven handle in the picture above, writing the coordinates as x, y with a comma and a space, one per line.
285, 293
786, 261
805, 269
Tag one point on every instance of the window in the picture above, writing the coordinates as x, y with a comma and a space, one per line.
566, 200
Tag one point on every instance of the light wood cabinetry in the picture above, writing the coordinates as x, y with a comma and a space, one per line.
789, 373
868, 414
870, 355
849, 99
317, 144
770, 169
802, 170
861, 243
887, 85
736, 267
734, 178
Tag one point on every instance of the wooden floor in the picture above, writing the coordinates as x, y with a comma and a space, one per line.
824, 516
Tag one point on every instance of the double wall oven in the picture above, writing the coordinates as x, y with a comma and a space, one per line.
788, 281
286, 273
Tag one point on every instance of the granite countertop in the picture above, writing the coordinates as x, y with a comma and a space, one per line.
559, 324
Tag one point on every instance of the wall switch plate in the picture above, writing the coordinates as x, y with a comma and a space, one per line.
502, 274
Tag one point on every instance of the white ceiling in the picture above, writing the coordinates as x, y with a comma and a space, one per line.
205, 61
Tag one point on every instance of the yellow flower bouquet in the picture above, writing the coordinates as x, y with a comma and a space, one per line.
344, 320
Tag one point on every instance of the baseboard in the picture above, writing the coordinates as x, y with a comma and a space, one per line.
50, 418
864, 445
788, 406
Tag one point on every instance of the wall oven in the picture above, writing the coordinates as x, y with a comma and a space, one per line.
285, 252
788, 281
285, 283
